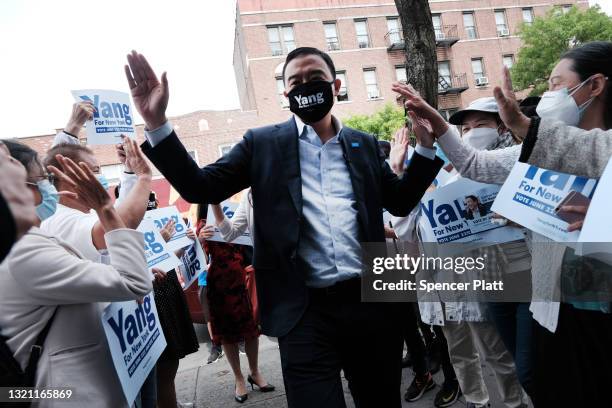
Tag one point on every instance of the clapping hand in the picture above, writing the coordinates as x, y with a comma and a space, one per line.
417, 106
134, 158
83, 181
150, 96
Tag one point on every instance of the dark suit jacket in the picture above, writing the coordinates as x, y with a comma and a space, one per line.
267, 159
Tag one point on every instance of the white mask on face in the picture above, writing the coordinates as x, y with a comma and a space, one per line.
560, 105
481, 138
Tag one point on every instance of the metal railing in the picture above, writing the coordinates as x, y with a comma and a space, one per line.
452, 84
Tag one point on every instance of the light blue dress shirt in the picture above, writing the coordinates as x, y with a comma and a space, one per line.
328, 249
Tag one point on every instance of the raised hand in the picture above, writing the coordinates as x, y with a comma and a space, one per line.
81, 112
135, 159
415, 103
168, 230
399, 147
83, 182
509, 109
150, 96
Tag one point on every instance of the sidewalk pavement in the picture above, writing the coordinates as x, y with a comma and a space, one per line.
212, 385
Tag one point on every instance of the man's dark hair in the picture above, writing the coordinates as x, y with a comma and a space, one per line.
473, 197
304, 51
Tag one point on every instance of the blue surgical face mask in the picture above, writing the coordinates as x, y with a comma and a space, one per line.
50, 198
560, 105
103, 180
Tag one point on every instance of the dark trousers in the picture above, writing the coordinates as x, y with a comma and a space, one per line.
338, 332
515, 326
572, 367
418, 349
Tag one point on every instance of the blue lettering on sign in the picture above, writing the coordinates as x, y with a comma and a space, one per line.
129, 329
535, 204
228, 212
163, 221
191, 261
109, 110
151, 243
445, 213
553, 179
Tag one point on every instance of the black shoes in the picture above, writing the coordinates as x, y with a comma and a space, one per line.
419, 386
448, 395
265, 388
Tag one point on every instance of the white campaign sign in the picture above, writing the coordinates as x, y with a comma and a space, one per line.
229, 207
113, 116
136, 340
161, 216
460, 213
193, 263
157, 253
530, 195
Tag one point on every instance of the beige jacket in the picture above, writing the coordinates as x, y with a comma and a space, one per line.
43, 273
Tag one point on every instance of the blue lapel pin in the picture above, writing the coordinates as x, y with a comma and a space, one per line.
355, 144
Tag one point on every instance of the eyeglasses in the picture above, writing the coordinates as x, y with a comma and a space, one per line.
35, 179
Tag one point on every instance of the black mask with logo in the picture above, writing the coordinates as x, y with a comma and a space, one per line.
311, 101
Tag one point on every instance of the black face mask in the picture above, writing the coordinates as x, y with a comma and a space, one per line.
311, 101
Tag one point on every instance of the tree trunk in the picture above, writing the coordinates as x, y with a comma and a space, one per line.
420, 47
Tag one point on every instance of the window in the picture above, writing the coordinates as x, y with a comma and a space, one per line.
508, 60
203, 125
361, 28
528, 15
281, 39
400, 73
395, 34
331, 36
437, 25
500, 22
566, 8
343, 93
478, 71
444, 75
225, 148
447, 113
112, 172
280, 92
469, 26
369, 75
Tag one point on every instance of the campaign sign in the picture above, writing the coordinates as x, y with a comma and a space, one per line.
228, 207
460, 212
113, 116
193, 263
157, 253
530, 196
136, 341
161, 216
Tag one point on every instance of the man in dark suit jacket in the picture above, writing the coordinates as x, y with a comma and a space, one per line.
318, 191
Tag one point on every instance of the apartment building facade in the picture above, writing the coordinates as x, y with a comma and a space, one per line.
474, 39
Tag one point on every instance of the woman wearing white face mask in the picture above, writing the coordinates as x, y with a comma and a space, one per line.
581, 380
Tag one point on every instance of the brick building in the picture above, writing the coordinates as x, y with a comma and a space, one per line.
364, 38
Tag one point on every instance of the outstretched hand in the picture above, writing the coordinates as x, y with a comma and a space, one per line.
415, 103
509, 109
150, 96
422, 130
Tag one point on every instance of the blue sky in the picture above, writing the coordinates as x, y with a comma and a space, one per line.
51, 47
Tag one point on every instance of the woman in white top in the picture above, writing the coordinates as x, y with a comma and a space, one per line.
44, 277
